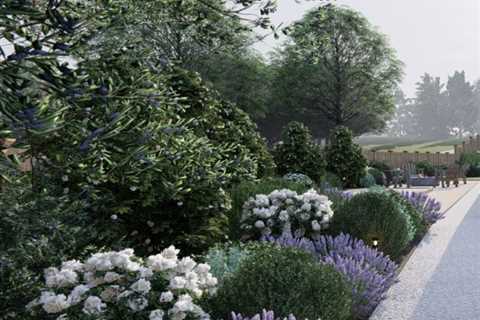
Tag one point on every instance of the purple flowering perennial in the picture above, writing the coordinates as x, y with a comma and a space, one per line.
266, 315
427, 206
369, 272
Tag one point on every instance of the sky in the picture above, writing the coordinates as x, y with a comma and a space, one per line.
434, 36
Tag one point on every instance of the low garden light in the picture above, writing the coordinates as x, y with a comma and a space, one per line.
375, 243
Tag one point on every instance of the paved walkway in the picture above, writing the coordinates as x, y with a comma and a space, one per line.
441, 280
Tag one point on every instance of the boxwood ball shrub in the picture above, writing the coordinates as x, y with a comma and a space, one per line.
426, 168
369, 272
297, 152
383, 167
415, 214
344, 157
300, 178
242, 191
376, 216
379, 176
367, 181
286, 281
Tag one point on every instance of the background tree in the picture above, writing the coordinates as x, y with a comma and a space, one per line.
460, 99
337, 70
429, 110
403, 122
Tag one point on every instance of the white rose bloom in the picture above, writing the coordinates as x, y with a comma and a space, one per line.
185, 265
211, 281
141, 286
170, 253
305, 216
202, 268
306, 207
183, 304
283, 216
156, 314
77, 293
111, 277
137, 304
73, 265
54, 303
110, 293
325, 219
145, 272
93, 306
259, 224
316, 226
166, 296
55, 278
262, 200
160, 263
178, 283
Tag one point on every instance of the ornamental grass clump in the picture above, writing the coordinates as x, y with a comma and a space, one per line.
272, 214
369, 272
429, 207
376, 216
119, 285
286, 281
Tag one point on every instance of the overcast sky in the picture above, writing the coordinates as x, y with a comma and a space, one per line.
434, 36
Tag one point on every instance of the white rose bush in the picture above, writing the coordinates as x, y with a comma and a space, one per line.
307, 214
119, 285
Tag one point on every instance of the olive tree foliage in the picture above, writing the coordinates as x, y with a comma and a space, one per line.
338, 70
140, 140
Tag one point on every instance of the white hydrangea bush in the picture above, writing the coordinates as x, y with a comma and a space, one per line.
307, 214
119, 285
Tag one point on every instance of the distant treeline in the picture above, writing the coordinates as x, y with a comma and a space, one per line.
438, 110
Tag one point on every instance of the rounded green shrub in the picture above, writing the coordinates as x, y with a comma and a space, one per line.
379, 176
367, 181
344, 157
330, 180
382, 167
297, 152
426, 168
287, 281
376, 215
418, 224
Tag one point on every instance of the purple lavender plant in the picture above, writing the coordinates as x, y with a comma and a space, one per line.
266, 315
427, 206
369, 272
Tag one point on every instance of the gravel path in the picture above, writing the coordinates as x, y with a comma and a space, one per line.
441, 280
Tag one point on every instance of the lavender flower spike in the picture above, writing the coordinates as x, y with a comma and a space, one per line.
427, 206
266, 315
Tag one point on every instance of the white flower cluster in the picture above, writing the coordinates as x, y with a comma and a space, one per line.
308, 213
108, 280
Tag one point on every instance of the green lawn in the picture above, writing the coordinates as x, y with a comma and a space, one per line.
408, 144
